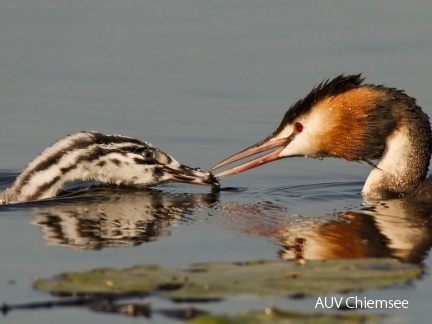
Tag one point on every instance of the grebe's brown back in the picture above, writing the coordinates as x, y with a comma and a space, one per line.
344, 118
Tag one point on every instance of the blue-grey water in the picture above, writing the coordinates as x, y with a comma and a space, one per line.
201, 80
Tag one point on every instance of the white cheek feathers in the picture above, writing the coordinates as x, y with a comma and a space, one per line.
306, 136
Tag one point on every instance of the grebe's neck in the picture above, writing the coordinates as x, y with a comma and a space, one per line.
404, 163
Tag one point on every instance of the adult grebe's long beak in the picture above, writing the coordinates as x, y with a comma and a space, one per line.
265, 145
185, 174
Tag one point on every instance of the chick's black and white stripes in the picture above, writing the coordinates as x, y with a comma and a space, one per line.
90, 155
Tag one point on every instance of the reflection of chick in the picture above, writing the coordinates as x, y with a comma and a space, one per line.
117, 218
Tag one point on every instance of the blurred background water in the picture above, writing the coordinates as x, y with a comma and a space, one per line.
200, 80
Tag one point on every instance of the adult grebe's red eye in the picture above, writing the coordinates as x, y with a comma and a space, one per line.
298, 127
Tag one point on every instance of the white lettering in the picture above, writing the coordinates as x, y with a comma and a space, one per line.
329, 303
338, 303
381, 301
356, 302
319, 302
348, 303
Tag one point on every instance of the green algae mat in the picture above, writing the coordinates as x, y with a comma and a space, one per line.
210, 281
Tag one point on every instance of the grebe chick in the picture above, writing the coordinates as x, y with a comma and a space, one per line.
344, 118
88, 155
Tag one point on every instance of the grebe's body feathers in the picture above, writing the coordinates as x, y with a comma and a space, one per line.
344, 118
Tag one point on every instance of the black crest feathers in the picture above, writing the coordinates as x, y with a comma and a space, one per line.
327, 88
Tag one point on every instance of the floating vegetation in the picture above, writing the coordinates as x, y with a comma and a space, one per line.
107, 290
214, 281
277, 316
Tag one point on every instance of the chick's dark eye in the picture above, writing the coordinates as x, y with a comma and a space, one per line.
298, 127
148, 155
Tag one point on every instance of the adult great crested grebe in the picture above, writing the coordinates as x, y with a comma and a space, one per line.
344, 118
90, 155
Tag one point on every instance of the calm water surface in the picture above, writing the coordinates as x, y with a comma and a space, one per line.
200, 81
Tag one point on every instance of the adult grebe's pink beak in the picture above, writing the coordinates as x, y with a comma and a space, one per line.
265, 145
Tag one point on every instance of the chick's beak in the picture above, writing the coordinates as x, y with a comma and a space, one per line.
265, 145
185, 174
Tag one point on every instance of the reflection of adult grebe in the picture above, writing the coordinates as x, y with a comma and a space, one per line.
112, 159
344, 118
397, 228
